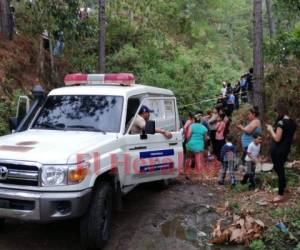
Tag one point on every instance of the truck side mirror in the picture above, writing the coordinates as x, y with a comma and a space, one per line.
150, 127
13, 123
22, 109
149, 130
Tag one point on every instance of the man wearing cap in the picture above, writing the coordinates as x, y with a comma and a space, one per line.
140, 123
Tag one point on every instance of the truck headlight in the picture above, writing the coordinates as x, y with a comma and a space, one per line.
58, 175
54, 175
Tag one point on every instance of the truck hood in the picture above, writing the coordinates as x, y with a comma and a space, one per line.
49, 146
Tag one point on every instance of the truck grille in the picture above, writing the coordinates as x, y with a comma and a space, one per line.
19, 174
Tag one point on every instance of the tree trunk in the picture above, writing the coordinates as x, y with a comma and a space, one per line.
270, 18
102, 30
6, 21
52, 62
41, 59
258, 84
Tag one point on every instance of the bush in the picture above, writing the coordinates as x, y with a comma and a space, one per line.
257, 245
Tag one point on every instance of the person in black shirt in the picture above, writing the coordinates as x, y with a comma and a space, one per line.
282, 137
236, 92
249, 79
228, 88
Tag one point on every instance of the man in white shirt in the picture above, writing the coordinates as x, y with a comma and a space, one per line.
140, 123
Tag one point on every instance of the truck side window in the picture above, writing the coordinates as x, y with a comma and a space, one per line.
164, 113
133, 104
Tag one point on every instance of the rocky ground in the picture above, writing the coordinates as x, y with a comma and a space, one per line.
180, 217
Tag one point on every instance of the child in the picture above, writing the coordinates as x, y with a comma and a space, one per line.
228, 153
251, 158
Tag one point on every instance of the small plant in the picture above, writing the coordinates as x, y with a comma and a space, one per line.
296, 225
235, 207
292, 178
7, 109
297, 247
266, 180
239, 188
257, 245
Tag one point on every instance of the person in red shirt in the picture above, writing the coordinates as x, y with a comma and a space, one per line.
186, 127
188, 123
220, 140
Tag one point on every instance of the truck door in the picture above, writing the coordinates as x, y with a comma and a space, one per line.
154, 157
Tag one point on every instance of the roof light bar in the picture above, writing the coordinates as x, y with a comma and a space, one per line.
117, 78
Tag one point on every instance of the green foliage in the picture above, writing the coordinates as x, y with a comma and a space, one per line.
241, 188
269, 180
285, 46
188, 46
183, 45
8, 109
4, 110
235, 206
52, 16
274, 238
257, 245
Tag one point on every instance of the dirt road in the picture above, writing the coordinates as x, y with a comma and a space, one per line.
179, 217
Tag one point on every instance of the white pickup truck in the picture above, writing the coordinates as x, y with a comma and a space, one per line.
73, 155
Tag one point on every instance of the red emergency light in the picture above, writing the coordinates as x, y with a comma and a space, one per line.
113, 78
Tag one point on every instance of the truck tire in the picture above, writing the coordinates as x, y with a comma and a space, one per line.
95, 226
2, 223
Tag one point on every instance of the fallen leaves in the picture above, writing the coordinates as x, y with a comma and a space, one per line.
294, 164
242, 231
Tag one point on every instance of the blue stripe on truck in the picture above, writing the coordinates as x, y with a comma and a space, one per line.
157, 153
156, 167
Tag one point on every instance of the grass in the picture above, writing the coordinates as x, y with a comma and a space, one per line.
239, 188
274, 238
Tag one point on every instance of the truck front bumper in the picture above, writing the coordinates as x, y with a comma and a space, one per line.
43, 206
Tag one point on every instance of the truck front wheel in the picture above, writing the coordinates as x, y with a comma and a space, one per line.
2, 222
95, 225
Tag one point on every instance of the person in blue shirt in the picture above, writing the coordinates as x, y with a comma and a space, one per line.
253, 127
196, 136
230, 103
227, 156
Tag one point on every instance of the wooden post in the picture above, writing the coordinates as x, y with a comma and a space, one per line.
102, 30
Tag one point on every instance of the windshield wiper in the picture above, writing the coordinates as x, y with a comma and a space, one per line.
59, 126
85, 128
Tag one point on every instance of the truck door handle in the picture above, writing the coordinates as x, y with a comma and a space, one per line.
173, 143
138, 148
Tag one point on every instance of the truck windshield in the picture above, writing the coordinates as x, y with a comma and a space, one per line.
81, 112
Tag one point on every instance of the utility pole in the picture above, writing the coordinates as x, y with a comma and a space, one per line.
102, 30
258, 81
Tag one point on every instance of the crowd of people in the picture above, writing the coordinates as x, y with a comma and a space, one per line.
211, 135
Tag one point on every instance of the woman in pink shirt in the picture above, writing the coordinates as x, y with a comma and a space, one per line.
220, 140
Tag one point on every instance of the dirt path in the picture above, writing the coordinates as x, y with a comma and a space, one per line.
179, 217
